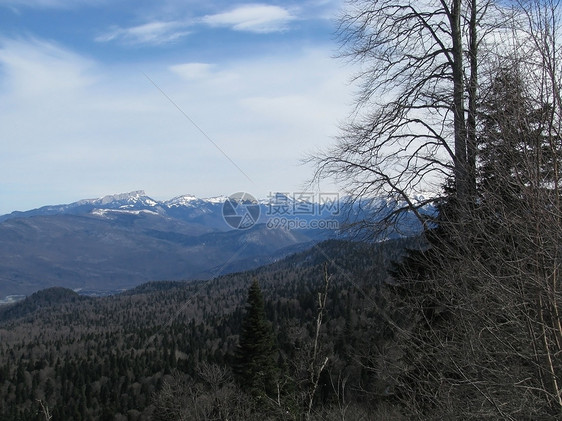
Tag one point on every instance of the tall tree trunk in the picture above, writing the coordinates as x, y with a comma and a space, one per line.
472, 99
461, 167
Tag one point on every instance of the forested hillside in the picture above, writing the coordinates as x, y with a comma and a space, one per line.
463, 322
466, 95
117, 357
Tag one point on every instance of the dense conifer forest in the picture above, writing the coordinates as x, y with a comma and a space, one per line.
139, 355
462, 323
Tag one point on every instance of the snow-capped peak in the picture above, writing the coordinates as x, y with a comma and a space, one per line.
183, 200
137, 197
191, 200
216, 199
132, 197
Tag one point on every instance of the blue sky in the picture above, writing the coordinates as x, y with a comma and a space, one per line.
94, 96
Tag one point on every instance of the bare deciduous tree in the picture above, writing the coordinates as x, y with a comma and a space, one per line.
45, 410
482, 328
415, 118
478, 320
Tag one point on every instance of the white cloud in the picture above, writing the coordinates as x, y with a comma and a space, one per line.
193, 70
157, 32
211, 77
36, 68
259, 18
67, 135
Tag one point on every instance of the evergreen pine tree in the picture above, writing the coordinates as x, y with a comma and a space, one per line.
515, 151
256, 356
482, 284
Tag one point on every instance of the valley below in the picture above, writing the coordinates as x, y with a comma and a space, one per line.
120, 241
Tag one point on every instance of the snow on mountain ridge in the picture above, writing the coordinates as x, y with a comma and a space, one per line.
216, 199
131, 197
136, 200
183, 200
105, 212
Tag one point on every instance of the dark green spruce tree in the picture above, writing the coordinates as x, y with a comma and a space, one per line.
255, 364
474, 316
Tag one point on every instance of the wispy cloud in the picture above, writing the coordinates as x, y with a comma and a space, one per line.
259, 18
71, 124
256, 18
193, 71
35, 68
157, 32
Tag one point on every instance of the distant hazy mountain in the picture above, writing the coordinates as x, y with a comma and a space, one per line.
123, 240
117, 242
206, 213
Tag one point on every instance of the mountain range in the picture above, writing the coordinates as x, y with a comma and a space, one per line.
119, 241
104, 245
